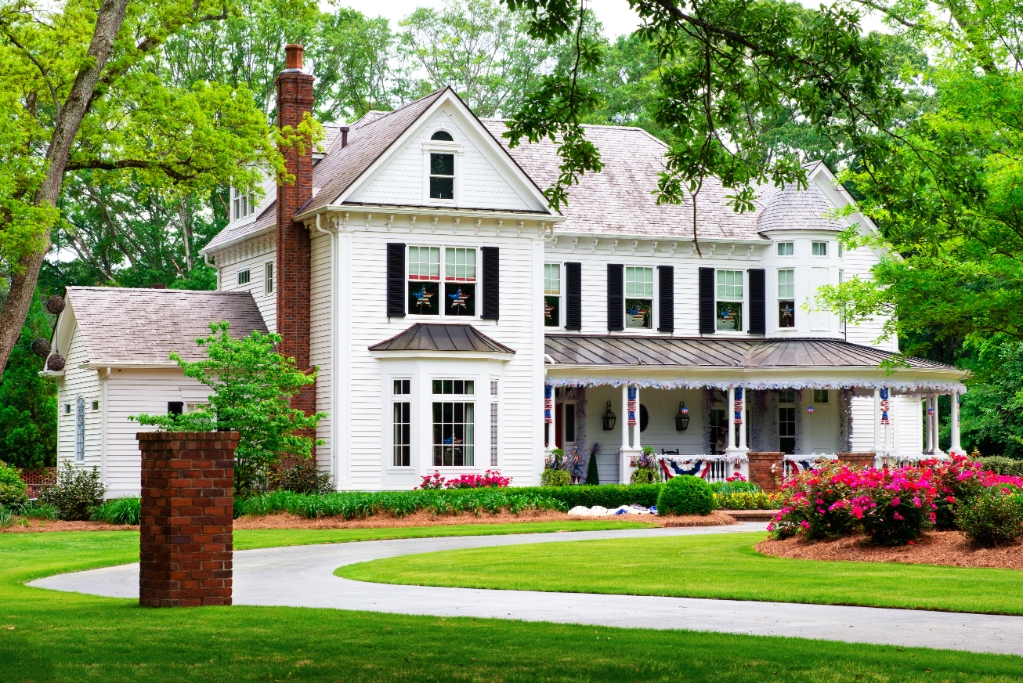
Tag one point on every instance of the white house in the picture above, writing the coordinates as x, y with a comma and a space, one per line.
415, 262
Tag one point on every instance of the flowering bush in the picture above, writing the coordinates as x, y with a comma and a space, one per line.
647, 468
488, 480
894, 506
994, 517
744, 500
816, 504
432, 481
958, 481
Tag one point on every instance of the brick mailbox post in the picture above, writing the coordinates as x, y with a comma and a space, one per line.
766, 469
187, 518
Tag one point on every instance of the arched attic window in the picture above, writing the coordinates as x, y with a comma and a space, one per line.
442, 135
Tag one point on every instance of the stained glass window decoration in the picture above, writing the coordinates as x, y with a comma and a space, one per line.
786, 298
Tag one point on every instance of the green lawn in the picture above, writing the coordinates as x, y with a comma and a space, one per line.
52, 636
710, 566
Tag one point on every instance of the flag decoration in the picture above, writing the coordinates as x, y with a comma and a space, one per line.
638, 314
547, 310
458, 298
930, 411
738, 406
885, 406
809, 409
422, 296
548, 403
632, 405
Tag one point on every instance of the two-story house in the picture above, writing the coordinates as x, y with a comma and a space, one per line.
459, 324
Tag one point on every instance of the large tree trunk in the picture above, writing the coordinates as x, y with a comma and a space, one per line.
109, 20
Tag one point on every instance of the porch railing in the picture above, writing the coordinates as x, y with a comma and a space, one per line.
711, 468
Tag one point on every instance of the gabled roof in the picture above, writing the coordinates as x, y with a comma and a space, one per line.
122, 326
700, 352
441, 337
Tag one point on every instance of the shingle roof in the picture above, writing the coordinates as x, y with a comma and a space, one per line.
142, 326
700, 352
441, 337
793, 209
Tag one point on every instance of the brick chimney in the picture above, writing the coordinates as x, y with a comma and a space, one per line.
294, 99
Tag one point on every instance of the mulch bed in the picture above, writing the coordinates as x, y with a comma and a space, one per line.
25, 525
716, 518
949, 548
423, 518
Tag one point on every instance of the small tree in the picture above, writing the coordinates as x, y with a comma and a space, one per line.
252, 384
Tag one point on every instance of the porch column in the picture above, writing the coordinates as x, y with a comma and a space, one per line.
877, 420
934, 426
730, 416
955, 447
742, 427
635, 433
625, 416
928, 441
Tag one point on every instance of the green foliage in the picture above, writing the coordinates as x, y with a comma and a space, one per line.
645, 475
727, 487
992, 518
302, 476
28, 402
592, 476
118, 511
12, 489
358, 504
6, 518
75, 492
252, 385
685, 495
551, 477
604, 495
744, 500
1001, 465
37, 510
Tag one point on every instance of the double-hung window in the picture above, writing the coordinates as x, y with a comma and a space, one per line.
729, 300
639, 298
786, 298
819, 249
785, 249
787, 421
401, 409
424, 280
459, 281
442, 176
242, 205
268, 276
551, 294
454, 412
493, 423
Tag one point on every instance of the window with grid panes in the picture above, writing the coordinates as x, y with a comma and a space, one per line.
785, 249
819, 249
402, 423
453, 423
552, 294
639, 297
244, 276
269, 277
459, 281
786, 298
787, 421
729, 300
442, 176
424, 280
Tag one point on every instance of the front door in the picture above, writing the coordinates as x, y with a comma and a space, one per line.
568, 429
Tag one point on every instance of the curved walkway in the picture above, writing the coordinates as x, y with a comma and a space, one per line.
303, 576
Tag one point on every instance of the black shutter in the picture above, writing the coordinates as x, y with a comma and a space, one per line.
395, 280
706, 300
491, 283
757, 301
573, 296
615, 297
666, 295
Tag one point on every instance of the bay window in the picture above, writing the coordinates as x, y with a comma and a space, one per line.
729, 300
639, 298
453, 423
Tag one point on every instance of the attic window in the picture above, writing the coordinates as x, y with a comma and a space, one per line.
442, 176
242, 205
442, 135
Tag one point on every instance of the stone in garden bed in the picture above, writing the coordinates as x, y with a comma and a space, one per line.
949, 548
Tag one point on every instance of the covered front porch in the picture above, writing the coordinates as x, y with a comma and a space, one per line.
705, 406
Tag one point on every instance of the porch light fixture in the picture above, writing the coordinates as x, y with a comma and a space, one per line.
609, 419
682, 419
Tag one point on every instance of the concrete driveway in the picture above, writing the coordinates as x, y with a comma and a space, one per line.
302, 576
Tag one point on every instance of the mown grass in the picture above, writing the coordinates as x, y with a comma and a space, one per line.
707, 566
52, 636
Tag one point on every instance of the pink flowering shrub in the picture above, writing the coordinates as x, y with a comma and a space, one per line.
490, 479
815, 504
958, 481
432, 481
894, 506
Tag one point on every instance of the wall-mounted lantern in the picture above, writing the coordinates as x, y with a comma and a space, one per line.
682, 419
609, 419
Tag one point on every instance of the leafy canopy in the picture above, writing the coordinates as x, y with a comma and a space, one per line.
252, 385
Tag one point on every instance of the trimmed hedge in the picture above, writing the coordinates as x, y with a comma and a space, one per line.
605, 495
685, 495
1002, 465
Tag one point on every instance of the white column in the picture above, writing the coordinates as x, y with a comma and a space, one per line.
730, 415
935, 427
955, 447
625, 416
635, 433
877, 420
742, 427
928, 442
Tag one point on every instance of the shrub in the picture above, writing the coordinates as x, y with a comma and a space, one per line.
744, 500
74, 493
685, 495
604, 495
734, 486
992, 518
12, 489
432, 481
894, 506
1002, 465
119, 511
302, 476
488, 480
814, 503
6, 518
550, 477
37, 510
647, 468
958, 481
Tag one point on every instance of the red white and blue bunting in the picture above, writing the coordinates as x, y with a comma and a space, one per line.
903, 387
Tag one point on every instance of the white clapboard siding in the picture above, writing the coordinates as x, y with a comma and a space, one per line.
320, 339
78, 381
256, 265
404, 181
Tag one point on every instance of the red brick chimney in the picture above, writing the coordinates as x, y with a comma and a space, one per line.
294, 99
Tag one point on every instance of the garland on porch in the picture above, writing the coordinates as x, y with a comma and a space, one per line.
939, 387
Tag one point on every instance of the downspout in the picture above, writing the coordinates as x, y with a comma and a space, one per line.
333, 350
104, 375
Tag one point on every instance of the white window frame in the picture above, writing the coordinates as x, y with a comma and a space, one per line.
814, 248
495, 424
242, 205
442, 147
248, 276
560, 295
398, 395
80, 429
443, 280
742, 301
652, 299
269, 277
791, 249
476, 400
781, 296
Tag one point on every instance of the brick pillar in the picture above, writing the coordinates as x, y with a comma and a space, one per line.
186, 542
761, 472
294, 100
857, 460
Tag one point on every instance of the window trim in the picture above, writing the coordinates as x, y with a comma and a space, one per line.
813, 246
248, 276
653, 300
559, 323
442, 281
269, 277
394, 395
455, 148
790, 243
744, 327
79, 442
779, 299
